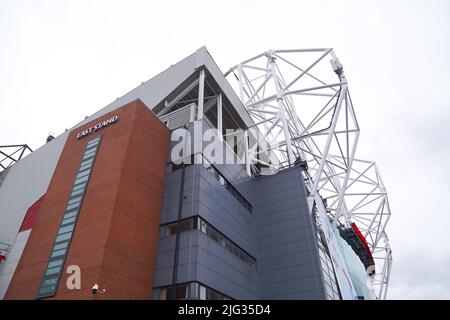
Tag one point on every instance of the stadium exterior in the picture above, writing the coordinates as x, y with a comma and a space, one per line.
192, 186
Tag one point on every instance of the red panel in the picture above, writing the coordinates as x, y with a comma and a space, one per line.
31, 215
363, 239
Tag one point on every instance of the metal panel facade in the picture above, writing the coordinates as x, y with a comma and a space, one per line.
279, 234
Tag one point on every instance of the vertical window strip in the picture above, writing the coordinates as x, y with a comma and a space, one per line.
55, 264
198, 223
224, 182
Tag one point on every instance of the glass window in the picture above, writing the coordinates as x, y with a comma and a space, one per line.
222, 240
70, 213
229, 246
76, 192
55, 263
93, 142
57, 253
73, 206
202, 294
90, 151
69, 220
73, 200
80, 180
45, 290
65, 229
233, 192
193, 290
216, 174
83, 173
200, 224
51, 271
163, 294
49, 282
327, 279
185, 225
322, 255
203, 227
178, 292
90, 148
60, 246
196, 291
213, 235
79, 187
88, 168
87, 163
63, 237
87, 156
181, 292
329, 290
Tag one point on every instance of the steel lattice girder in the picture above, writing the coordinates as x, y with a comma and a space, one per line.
10, 154
306, 114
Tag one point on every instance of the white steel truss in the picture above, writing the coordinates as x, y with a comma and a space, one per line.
10, 154
307, 115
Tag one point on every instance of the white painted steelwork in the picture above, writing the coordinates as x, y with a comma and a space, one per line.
307, 116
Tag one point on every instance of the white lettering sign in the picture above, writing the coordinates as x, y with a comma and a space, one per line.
97, 127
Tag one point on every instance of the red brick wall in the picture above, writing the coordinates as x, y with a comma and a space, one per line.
115, 238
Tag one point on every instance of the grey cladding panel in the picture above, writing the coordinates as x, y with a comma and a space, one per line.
178, 118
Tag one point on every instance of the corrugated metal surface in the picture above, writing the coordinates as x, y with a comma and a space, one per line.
26, 181
180, 117
8, 266
3, 175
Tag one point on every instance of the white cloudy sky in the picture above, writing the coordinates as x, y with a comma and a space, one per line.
62, 60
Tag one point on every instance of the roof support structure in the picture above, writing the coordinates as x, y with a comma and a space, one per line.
201, 94
304, 114
10, 154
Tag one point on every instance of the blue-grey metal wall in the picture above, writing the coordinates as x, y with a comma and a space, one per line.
279, 234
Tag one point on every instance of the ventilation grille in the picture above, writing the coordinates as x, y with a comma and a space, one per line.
180, 117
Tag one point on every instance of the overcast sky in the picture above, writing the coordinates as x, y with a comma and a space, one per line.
63, 60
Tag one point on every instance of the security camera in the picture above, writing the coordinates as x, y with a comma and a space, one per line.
95, 289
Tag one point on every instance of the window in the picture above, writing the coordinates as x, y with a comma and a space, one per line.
63, 237
65, 229
175, 292
202, 293
219, 177
69, 220
191, 290
53, 270
171, 167
203, 226
184, 226
332, 291
77, 192
163, 294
